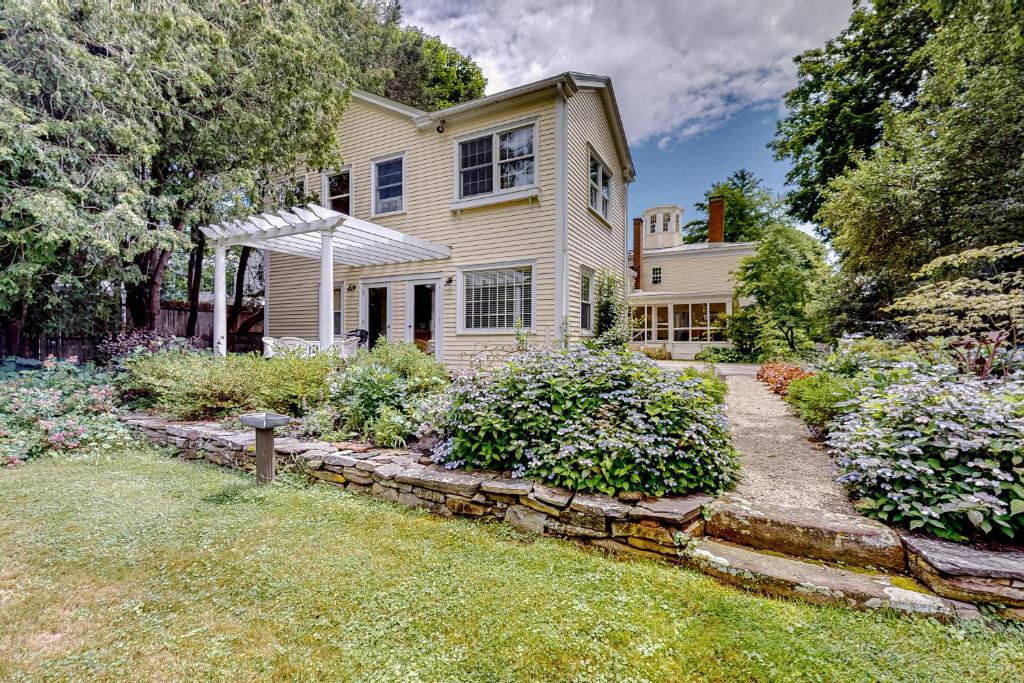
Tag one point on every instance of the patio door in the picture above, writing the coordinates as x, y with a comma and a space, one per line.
423, 321
375, 312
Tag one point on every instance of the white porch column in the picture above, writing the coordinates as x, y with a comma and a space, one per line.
220, 303
326, 289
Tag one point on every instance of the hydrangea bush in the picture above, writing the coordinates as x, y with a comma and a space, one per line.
591, 420
937, 452
61, 408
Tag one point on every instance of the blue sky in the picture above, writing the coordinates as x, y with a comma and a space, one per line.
699, 82
682, 171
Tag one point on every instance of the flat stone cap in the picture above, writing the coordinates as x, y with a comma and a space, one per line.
265, 420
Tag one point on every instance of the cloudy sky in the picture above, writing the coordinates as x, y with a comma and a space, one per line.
699, 82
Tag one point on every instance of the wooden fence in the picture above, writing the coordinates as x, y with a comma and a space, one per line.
172, 322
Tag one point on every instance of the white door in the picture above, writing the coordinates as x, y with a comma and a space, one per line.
423, 314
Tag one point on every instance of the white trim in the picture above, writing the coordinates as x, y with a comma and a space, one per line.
373, 184
561, 217
587, 271
460, 296
364, 303
514, 195
496, 194
266, 292
340, 288
605, 169
324, 196
410, 304
385, 103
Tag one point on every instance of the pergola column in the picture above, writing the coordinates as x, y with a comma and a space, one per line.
326, 289
220, 303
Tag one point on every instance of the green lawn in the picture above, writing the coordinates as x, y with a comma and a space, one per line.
141, 567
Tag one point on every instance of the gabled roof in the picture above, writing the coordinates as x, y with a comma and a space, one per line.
568, 83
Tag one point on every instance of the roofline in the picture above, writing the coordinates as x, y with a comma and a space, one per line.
567, 84
718, 247
387, 103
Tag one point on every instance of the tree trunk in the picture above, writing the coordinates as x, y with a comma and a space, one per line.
156, 282
236, 305
195, 284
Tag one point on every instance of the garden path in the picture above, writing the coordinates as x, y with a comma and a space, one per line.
780, 465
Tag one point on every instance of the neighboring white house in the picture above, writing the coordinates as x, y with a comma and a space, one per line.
522, 194
680, 291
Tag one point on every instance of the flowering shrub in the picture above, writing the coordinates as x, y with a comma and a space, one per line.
778, 375
59, 409
590, 420
937, 452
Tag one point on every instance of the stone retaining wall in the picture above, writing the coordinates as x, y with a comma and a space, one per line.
670, 528
657, 527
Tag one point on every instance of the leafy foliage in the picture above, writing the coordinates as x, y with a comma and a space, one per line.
937, 452
611, 311
778, 376
844, 91
821, 398
782, 276
719, 354
197, 385
60, 409
973, 292
379, 392
116, 348
945, 176
591, 420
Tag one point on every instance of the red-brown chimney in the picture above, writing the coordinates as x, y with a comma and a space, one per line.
638, 252
716, 219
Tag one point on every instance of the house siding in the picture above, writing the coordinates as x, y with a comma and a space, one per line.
523, 230
698, 271
592, 242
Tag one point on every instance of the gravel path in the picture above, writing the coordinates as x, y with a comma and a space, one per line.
779, 463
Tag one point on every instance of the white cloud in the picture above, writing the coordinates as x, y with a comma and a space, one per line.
679, 68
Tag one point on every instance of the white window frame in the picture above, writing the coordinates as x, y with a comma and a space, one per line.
656, 275
653, 223
589, 294
325, 199
666, 222
460, 308
496, 194
338, 314
364, 304
373, 185
603, 210
410, 285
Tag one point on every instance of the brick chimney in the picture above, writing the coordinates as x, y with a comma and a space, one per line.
638, 252
716, 219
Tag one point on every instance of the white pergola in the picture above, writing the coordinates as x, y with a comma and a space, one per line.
341, 239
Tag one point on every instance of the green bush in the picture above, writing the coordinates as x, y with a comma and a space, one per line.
198, 385
721, 354
819, 399
591, 420
713, 384
377, 388
62, 408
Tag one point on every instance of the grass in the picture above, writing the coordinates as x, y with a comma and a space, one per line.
142, 567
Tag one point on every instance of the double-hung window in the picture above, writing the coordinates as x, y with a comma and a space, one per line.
665, 222
600, 195
652, 221
338, 310
498, 300
656, 275
337, 192
389, 185
587, 300
507, 155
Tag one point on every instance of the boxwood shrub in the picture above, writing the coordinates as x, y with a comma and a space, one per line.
937, 452
591, 420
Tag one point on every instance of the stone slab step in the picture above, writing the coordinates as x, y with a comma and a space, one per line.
792, 578
844, 539
966, 572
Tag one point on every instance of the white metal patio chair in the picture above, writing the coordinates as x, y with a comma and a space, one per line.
346, 346
303, 347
